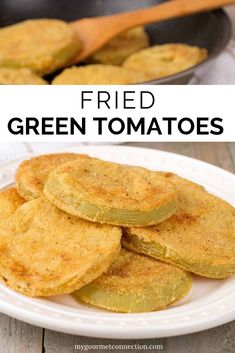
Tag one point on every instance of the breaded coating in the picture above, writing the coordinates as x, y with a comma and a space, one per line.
42, 45
136, 283
44, 251
10, 201
12, 76
99, 74
33, 173
112, 193
122, 46
199, 238
165, 60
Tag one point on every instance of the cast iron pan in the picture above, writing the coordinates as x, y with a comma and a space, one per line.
211, 30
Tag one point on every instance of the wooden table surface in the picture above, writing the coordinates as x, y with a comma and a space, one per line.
19, 337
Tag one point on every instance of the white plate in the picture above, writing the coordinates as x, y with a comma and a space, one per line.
210, 302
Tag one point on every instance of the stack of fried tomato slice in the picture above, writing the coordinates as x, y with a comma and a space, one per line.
62, 230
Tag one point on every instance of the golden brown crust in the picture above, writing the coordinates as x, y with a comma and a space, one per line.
10, 200
42, 45
200, 237
136, 283
164, 60
13, 76
45, 251
120, 47
111, 193
33, 173
99, 74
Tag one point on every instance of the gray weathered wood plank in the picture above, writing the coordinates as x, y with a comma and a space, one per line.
231, 148
218, 340
63, 343
19, 337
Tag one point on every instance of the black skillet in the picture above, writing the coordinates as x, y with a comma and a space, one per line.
211, 30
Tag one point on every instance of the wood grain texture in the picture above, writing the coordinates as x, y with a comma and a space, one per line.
217, 340
231, 148
18, 337
63, 343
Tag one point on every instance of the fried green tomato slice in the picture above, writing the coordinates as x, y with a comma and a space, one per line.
10, 201
199, 238
122, 46
33, 173
42, 45
136, 283
106, 192
12, 76
165, 60
45, 251
99, 74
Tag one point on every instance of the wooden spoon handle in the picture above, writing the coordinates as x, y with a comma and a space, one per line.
96, 31
164, 11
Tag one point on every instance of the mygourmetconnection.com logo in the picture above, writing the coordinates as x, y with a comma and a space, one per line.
118, 347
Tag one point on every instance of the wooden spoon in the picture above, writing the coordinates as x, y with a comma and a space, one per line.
94, 32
